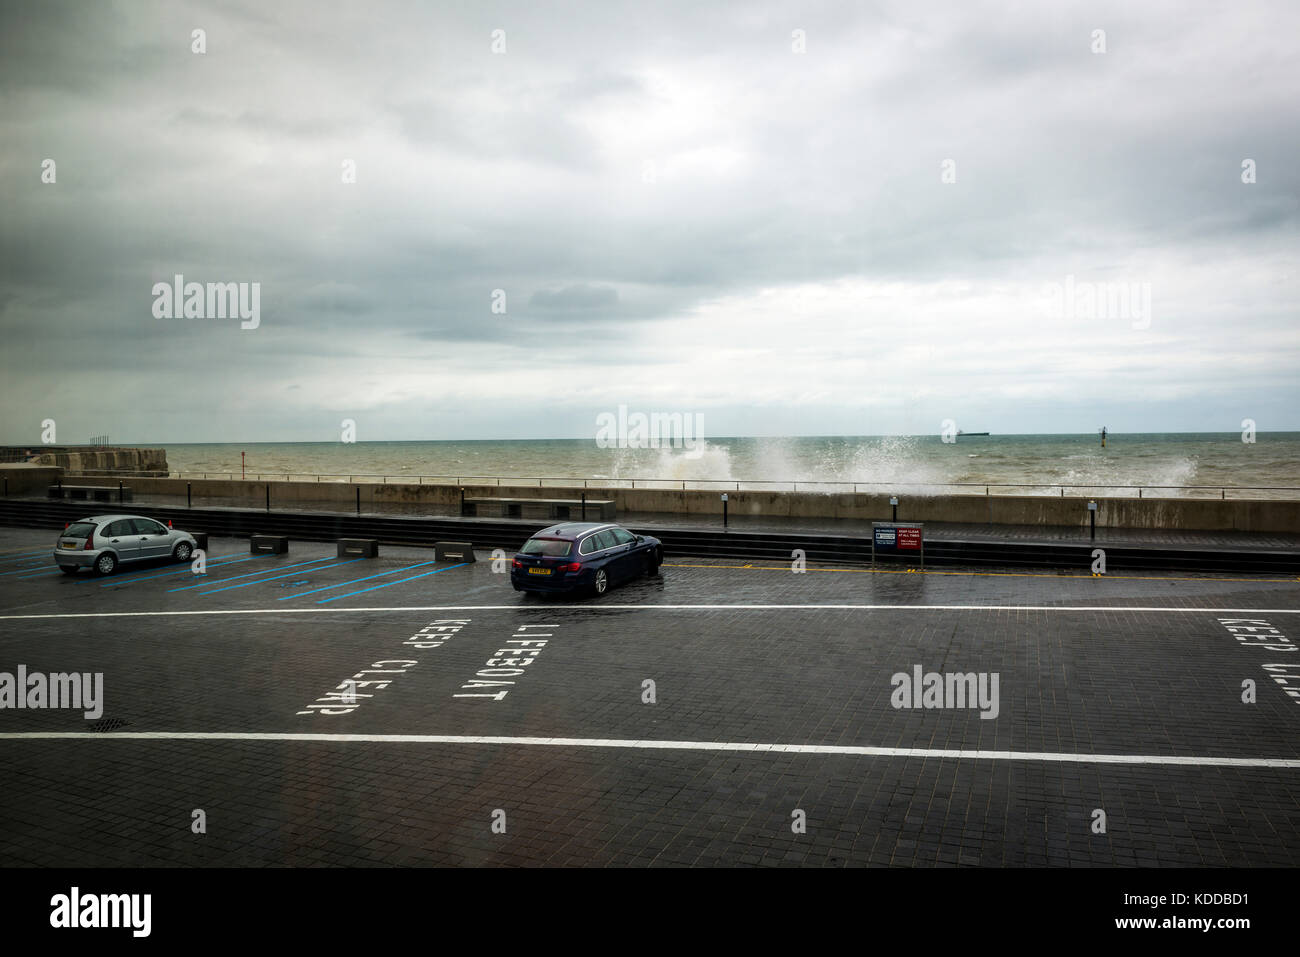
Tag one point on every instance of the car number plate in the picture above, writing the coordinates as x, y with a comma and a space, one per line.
539, 571
67, 545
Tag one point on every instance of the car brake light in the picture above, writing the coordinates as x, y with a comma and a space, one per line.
571, 567
517, 564
89, 538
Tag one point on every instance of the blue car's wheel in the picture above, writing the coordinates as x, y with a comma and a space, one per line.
601, 584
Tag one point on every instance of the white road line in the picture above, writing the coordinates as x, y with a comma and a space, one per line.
603, 607
652, 745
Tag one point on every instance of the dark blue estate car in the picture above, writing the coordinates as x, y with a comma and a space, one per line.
589, 556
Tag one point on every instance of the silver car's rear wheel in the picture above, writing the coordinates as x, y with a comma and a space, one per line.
105, 563
182, 552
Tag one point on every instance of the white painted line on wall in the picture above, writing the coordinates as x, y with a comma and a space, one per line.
1053, 757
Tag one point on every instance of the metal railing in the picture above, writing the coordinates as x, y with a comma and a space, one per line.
726, 485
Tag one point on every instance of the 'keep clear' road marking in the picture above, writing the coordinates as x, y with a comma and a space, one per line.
1258, 633
549, 607
1173, 760
343, 698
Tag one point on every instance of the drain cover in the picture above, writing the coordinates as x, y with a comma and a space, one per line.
109, 724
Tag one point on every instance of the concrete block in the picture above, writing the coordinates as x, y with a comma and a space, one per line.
358, 548
269, 544
453, 552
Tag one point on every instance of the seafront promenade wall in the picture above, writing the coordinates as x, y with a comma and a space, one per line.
1154, 513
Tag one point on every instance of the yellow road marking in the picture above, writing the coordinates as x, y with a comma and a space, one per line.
922, 571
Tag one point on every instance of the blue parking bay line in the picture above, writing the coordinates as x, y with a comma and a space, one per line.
187, 570
24, 555
398, 582
247, 574
277, 577
393, 571
28, 569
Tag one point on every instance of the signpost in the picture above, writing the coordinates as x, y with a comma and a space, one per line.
897, 538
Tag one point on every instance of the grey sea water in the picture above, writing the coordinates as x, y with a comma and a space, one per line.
1176, 460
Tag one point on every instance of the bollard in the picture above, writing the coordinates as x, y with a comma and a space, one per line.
6, 486
268, 496
584, 505
189, 502
119, 491
724, 509
893, 500
358, 500
1092, 518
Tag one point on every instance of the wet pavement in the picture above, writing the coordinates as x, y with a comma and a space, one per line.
720, 712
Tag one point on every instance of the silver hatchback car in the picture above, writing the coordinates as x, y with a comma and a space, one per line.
102, 542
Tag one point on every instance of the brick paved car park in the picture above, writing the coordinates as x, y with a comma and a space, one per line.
773, 693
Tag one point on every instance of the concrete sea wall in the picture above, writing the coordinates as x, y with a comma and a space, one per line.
1153, 513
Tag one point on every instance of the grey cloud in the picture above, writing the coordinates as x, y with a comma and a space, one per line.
523, 172
583, 296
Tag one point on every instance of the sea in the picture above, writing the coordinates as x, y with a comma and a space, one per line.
1177, 463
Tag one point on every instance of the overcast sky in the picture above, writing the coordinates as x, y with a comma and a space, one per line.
684, 214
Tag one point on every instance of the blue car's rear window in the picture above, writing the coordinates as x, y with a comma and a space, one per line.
546, 546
